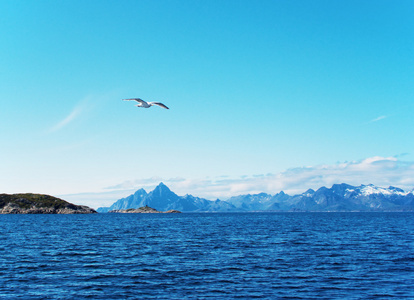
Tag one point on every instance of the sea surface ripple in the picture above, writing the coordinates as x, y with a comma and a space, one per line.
207, 255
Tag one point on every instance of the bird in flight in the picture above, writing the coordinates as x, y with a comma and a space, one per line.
142, 103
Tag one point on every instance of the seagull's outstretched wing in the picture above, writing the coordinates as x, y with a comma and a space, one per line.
159, 104
136, 99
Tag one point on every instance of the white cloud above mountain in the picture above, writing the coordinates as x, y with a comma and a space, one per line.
380, 171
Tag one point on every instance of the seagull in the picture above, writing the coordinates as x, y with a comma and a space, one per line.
142, 103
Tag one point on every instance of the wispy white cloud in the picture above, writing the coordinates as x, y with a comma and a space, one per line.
378, 119
143, 183
401, 155
68, 119
96, 200
80, 108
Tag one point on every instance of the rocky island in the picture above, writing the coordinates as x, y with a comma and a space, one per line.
39, 204
143, 210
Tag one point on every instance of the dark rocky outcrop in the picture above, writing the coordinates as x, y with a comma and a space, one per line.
143, 210
39, 204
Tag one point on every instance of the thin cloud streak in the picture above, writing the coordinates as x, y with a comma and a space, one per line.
83, 105
378, 119
68, 119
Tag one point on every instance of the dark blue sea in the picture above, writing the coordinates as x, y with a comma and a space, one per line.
207, 255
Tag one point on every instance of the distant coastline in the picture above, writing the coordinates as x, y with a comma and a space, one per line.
143, 210
338, 198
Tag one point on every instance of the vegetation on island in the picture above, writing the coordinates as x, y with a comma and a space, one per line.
26, 201
38, 203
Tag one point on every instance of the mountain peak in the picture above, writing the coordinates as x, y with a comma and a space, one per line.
162, 187
161, 190
140, 192
309, 192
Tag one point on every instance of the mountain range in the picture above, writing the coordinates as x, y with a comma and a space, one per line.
340, 197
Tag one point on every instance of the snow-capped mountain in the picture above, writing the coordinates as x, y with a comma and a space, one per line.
344, 197
340, 197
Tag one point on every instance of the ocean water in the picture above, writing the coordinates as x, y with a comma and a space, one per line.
207, 255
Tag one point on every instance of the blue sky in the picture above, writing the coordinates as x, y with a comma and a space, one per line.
263, 96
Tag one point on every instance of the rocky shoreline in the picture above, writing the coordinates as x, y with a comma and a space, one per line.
39, 204
143, 210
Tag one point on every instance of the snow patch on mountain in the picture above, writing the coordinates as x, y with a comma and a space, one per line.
370, 189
